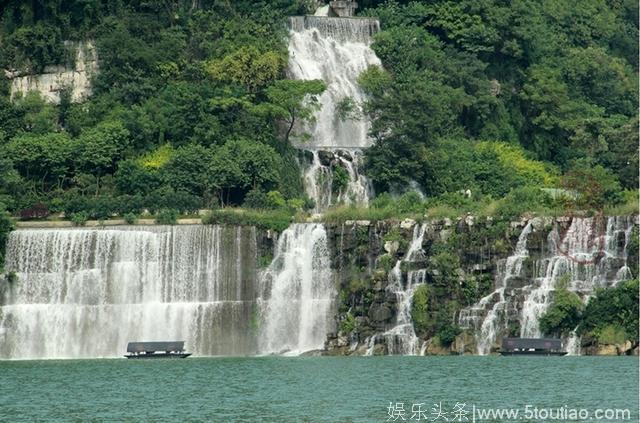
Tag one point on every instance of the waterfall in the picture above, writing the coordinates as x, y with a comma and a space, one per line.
335, 50
320, 175
298, 290
402, 339
495, 304
590, 253
589, 256
87, 292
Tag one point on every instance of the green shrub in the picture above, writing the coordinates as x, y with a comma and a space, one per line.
611, 334
348, 324
130, 218
340, 179
447, 334
563, 315
522, 200
167, 217
616, 306
385, 262
79, 219
256, 199
277, 220
6, 226
419, 309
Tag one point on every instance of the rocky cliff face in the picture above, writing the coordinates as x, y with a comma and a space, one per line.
75, 76
457, 287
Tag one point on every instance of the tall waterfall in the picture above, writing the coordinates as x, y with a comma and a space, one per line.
335, 50
87, 292
300, 291
402, 339
590, 253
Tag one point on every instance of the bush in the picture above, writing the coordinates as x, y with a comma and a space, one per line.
256, 199
130, 218
167, 217
79, 219
595, 185
37, 211
447, 334
612, 334
613, 307
340, 179
276, 220
563, 315
6, 226
348, 324
419, 310
522, 200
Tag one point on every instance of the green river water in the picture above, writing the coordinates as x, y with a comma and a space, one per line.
319, 389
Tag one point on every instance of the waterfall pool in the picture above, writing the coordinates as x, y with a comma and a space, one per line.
316, 389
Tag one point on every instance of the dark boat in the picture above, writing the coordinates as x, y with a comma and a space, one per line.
173, 349
531, 346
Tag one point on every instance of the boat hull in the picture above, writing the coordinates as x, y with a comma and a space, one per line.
155, 356
542, 353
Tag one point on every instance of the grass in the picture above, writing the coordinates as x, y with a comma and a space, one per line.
628, 208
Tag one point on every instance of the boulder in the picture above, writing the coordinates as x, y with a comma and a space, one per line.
407, 223
606, 349
345, 155
325, 157
391, 247
380, 312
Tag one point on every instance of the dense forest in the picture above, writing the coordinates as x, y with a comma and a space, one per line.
191, 105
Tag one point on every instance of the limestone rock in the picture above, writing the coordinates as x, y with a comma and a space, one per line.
391, 247
407, 223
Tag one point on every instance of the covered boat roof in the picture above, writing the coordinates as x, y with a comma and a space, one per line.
155, 346
529, 343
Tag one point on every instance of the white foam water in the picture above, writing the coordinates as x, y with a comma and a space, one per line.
88, 292
298, 292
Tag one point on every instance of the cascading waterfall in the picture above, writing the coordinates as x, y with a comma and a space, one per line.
495, 319
298, 290
320, 181
589, 256
335, 50
87, 292
402, 339
591, 253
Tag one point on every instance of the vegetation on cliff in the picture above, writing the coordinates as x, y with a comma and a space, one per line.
611, 316
492, 96
185, 111
191, 107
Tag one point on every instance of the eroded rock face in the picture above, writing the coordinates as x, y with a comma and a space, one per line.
76, 76
465, 261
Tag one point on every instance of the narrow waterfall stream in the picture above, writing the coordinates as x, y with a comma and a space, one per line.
335, 50
402, 339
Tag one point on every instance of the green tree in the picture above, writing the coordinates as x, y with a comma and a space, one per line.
44, 158
617, 306
248, 67
98, 149
294, 101
563, 315
186, 169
